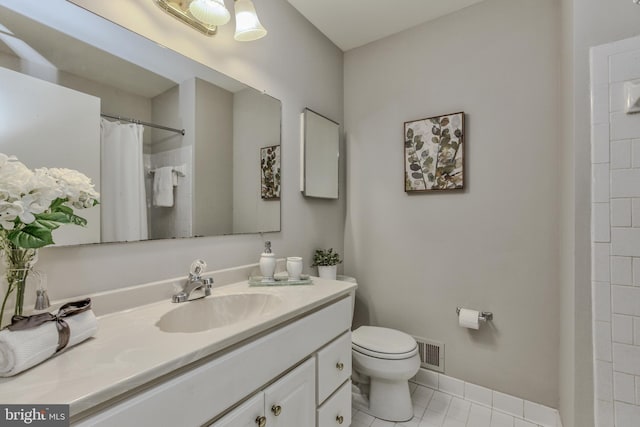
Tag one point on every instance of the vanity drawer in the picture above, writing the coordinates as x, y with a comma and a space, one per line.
336, 411
334, 366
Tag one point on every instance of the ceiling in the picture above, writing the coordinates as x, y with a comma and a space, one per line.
353, 23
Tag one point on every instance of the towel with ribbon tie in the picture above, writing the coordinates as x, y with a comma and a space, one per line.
30, 340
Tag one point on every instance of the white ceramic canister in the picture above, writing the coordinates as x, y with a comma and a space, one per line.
294, 267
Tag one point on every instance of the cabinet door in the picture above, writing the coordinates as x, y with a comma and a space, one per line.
246, 415
290, 401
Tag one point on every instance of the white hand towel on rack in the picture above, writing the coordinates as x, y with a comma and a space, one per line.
20, 350
163, 187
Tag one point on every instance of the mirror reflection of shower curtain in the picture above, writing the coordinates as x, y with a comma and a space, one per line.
122, 196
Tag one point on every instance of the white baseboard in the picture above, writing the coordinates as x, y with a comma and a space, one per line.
520, 408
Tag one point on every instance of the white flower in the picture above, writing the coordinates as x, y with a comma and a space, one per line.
33, 205
4, 159
9, 211
24, 194
75, 186
43, 188
14, 178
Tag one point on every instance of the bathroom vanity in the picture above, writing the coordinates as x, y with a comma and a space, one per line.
285, 361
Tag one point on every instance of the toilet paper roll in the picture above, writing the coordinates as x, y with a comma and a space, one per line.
469, 318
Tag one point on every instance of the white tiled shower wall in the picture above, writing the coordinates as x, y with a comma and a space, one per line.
175, 221
615, 235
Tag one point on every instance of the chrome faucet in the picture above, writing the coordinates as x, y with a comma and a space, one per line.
195, 287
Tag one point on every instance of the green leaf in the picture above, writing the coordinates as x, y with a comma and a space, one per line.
77, 220
457, 133
435, 140
409, 133
60, 217
32, 236
419, 145
444, 122
48, 224
63, 216
435, 121
431, 177
414, 167
64, 209
57, 203
425, 154
417, 175
435, 130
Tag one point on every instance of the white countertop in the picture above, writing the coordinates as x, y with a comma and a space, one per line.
129, 350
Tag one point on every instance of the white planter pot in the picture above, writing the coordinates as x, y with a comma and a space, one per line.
327, 271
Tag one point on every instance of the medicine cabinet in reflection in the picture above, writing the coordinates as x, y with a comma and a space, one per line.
319, 156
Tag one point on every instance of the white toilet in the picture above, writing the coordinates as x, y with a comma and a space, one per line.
383, 362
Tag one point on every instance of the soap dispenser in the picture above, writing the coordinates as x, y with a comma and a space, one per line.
267, 263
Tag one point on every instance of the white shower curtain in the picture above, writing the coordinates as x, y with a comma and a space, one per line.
122, 197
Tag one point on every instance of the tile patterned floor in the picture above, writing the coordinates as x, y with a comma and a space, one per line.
432, 408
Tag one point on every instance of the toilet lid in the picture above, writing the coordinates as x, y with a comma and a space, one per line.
384, 343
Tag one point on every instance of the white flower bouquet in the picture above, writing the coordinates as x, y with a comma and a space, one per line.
32, 205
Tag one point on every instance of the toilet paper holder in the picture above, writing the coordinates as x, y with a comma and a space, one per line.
484, 316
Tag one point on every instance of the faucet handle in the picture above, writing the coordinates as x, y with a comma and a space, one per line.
196, 268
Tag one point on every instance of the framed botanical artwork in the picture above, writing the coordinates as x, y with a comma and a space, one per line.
434, 152
270, 172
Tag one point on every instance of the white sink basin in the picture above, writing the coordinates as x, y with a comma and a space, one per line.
217, 311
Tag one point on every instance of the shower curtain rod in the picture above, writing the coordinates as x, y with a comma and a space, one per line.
153, 125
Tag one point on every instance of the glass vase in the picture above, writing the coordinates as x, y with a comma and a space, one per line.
19, 264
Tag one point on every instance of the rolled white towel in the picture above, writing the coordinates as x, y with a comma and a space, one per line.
20, 350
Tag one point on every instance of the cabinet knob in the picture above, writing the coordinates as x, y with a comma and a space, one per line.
339, 419
339, 366
261, 421
276, 409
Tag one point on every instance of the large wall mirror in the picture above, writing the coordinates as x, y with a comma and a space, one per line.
69, 84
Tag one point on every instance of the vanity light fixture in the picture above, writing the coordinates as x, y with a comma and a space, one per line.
206, 15
248, 26
210, 12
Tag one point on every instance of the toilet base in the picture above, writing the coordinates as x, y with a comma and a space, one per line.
387, 400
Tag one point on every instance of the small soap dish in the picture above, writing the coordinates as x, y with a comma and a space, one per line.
280, 280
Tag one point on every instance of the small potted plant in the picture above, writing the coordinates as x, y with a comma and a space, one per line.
327, 262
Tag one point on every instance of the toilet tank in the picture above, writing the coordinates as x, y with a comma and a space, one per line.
352, 293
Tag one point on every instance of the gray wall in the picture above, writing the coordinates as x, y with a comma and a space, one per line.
213, 160
295, 64
492, 247
263, 113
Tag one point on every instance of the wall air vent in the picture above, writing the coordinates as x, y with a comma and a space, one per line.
431, 354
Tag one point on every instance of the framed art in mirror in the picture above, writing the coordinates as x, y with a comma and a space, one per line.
270, 172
